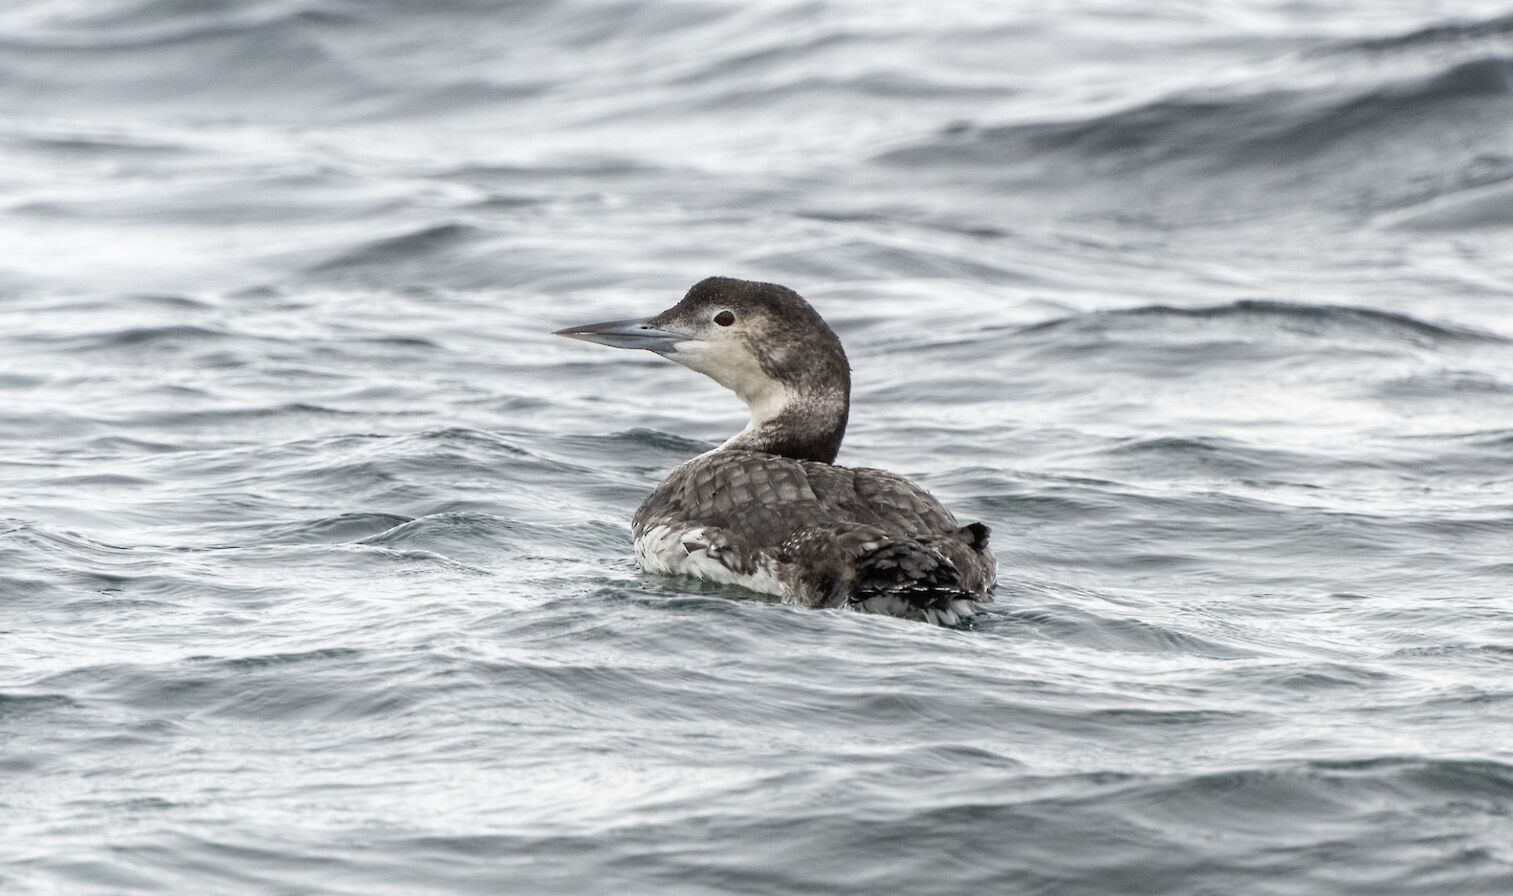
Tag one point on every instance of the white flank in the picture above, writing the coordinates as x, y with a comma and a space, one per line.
670, 550
664, 549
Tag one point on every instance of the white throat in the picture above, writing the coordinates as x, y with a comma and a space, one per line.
739, 372
782, 414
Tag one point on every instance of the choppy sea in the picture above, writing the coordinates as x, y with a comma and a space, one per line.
315, 574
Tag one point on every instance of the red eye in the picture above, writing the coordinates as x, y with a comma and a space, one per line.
724, 318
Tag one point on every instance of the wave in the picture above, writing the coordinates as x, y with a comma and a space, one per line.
449, 255
1458, 34
1264, 318
101, 143
1471, 208
332, 683
1237, 153
1474, 386
161, 337
332, 529
87, 575
13, 705
1203, 456
220, 62
465, 535
406, 248
1268, 128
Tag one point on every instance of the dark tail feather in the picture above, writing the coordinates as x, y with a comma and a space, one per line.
910, 571
974, 536
876, 572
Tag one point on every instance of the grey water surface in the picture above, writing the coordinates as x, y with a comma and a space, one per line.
315, 574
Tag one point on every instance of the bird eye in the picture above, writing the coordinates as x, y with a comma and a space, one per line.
724, 318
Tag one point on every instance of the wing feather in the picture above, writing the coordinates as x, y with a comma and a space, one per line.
750, 508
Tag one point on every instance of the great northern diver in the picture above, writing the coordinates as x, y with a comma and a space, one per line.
769, 510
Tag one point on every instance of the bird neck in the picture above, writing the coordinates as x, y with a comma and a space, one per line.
804, 424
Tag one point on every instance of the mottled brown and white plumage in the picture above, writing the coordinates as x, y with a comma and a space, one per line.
769, 510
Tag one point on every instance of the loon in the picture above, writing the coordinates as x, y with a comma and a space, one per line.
769, 510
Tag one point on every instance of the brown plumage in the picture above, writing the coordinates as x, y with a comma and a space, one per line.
768, 509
